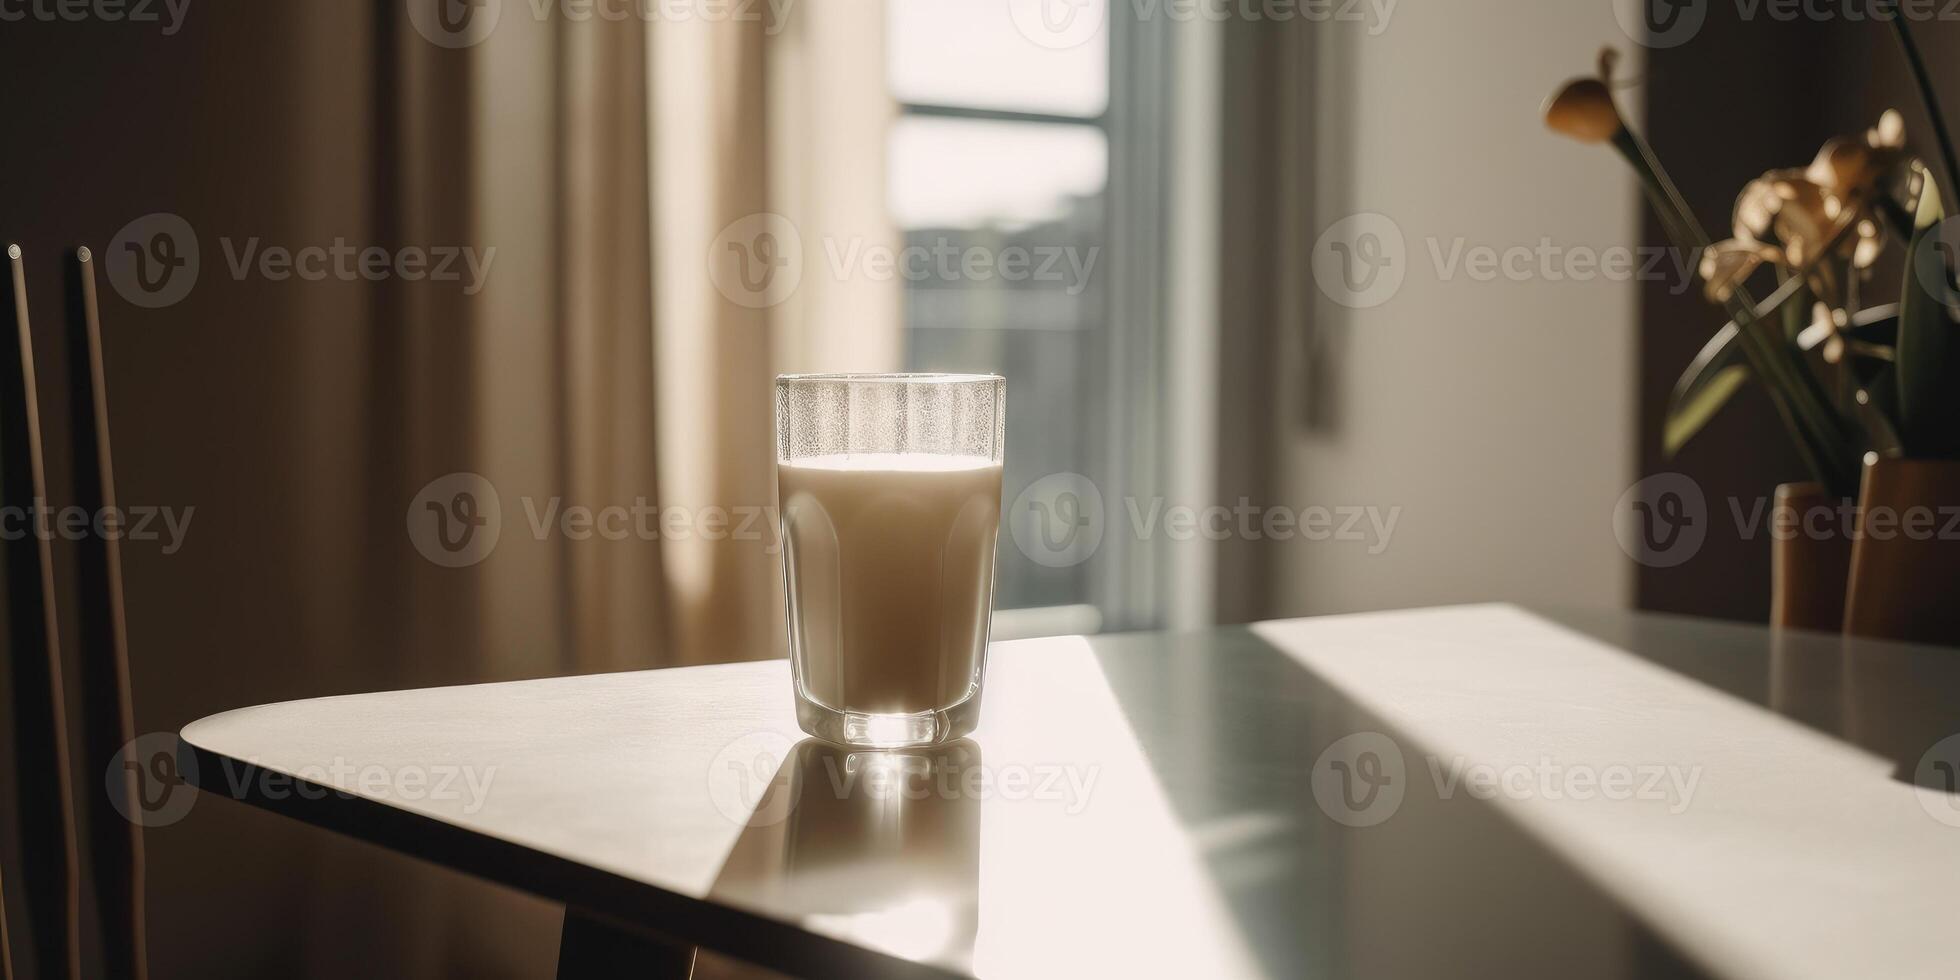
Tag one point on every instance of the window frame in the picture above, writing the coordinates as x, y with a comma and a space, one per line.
1128, 576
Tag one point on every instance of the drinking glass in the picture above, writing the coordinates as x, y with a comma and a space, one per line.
889, 488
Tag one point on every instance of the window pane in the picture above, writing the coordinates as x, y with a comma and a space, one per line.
973, 173
1000, 54
1003, 273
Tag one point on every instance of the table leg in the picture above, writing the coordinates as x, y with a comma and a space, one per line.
592, 949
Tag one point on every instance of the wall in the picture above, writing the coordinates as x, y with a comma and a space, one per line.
1497, 415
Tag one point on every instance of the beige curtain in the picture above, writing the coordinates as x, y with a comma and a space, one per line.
603, 365
599, 366
528, 144
565, 354
759, 129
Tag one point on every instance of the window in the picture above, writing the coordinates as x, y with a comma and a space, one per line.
999, 170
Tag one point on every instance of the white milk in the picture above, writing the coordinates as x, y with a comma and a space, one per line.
890, 561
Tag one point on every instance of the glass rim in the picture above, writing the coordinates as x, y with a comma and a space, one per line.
903, 377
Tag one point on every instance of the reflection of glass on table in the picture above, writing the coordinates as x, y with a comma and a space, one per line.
878, 847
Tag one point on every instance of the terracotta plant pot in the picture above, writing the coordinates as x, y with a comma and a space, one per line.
1905, 563
1810, 559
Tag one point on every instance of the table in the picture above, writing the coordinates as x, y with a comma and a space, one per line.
1464, 791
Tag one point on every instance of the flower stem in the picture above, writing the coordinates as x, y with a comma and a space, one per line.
1795, 395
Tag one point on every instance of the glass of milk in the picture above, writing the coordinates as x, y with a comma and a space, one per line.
889, 488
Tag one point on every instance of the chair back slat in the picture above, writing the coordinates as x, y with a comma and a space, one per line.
6, 948
48, 857
108, 725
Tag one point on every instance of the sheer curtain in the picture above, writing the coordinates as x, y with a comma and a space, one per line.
620, 161
760, 128
598, 366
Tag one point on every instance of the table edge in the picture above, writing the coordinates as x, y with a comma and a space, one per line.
630, 903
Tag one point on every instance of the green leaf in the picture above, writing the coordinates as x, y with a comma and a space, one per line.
1925, 349
1717, 371
1870, 362
1931, 209
1876, 410
1686, 416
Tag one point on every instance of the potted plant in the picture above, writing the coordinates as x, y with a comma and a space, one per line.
1866, 392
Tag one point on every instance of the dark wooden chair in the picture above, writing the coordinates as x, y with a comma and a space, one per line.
108, 723
48, 854
6, 948
49, 879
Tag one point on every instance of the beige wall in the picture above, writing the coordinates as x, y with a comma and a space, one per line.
1497, 415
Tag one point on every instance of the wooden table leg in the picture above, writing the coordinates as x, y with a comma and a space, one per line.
592, 949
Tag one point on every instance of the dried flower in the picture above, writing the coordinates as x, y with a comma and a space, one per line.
1583, 108
1863, 162
1820, 221
1783, 218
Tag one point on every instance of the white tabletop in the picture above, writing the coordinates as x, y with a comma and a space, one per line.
1601, 795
